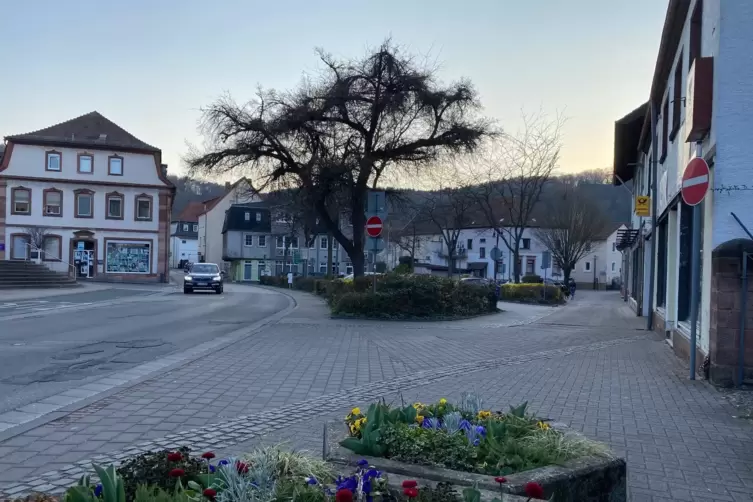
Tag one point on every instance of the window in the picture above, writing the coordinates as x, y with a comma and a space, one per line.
84, 203
85, 163
53, 202
482, 252
696, 30
531, 265
469, 244
114, 203
613, 266
195, 227
294, 242
248, 240
323, 242
262, 241
676, 99
280, 242
665, 131
258, 216
587, 266
53, 161
322, 268
185, 227
482, 241
183, 242
143, 207
348, 268
614, 247
525, 244
248, 216
53, 247
124, 257
21, 201
115, 165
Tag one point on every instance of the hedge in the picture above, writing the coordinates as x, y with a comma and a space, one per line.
531, 293
397, 296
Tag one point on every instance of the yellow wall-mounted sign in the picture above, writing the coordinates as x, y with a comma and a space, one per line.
642, 205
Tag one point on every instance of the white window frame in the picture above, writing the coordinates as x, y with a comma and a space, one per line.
16, 201
148, 201
195, 227
77, 200
258, 216
118, 161
122, 207
47, 212
323, 241
54, 155
285, 240
247, 216
185, 227
246, 239
262, 241
91, 163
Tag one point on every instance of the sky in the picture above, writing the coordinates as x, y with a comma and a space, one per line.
151, 66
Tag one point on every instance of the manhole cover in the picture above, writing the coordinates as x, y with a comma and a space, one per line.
139, 344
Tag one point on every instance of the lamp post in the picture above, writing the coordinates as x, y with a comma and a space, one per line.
596, 283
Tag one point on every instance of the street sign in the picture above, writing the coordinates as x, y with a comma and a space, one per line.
695, 181
496, 254
546, 260
374, 226
642, 205
374, 244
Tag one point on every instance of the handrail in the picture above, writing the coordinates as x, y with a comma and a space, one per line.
33, 247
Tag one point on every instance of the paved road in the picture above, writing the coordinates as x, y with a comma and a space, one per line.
588, 364
62, 342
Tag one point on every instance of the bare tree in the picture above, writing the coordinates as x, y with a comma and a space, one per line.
512, 171
571, 228
336, 136
37, 236
591, 176
448, 211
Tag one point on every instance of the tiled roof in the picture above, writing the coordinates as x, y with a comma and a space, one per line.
92, 129
191, 212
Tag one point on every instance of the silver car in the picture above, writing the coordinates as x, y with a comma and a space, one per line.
203, 276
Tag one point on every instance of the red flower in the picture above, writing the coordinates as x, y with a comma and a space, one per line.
176, 473
241, 467
500, 479
411, 493
344, 495
534, 490
409, 483
210, 493
174, 456
208, 455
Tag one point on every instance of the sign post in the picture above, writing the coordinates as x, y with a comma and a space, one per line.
695, 184
546, 262
374, 226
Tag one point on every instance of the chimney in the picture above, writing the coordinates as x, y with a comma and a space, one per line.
163, 169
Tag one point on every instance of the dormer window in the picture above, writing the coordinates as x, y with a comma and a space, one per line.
53, 161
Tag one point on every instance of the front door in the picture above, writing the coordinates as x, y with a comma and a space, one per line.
248, 270
84, 259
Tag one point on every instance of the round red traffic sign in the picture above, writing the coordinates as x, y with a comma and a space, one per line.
695, 181
374, 226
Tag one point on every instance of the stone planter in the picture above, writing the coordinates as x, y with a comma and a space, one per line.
587, 479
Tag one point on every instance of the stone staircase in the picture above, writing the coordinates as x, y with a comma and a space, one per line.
25, 274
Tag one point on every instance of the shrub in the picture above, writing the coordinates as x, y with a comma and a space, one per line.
406, 297
153, 468
531, 293
532, 279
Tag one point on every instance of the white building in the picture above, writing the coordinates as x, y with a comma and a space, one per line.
99, 195
184, 235
212, 217
701, 104
603, 262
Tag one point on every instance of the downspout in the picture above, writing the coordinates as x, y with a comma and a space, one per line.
652, 192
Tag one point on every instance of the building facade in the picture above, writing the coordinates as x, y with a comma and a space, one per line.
699, 106
184, 236
88, 197
212, 218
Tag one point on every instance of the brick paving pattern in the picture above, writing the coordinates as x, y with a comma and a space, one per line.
588, 364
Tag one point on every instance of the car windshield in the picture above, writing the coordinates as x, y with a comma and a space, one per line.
205, 268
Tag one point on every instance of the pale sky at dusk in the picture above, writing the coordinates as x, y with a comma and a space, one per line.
149, 66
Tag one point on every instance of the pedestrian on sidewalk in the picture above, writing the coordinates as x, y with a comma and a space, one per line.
572, 288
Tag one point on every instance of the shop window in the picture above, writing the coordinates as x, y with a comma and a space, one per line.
661, 265
686, 245
122, 257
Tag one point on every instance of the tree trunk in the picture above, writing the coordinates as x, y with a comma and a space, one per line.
567, 272
359, 263
516, 264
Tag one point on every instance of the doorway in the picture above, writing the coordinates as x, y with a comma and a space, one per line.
248, 271
85, 258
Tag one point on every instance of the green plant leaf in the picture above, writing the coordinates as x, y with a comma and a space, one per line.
79, 493
354, 445
519, 411
472, 494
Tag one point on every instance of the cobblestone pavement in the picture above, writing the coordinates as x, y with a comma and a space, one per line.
587, 364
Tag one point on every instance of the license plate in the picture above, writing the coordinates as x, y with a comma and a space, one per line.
200, 283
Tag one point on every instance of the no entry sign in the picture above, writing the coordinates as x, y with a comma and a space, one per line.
695, 181
374, 226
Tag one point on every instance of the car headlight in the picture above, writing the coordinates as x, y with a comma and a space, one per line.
217, 278
187, 278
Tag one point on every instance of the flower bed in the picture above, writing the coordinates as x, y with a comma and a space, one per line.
464, 444
531, 293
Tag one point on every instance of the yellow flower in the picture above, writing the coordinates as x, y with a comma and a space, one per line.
418, 406
355, 411
442, 402
543, 425
420, 419
483, 414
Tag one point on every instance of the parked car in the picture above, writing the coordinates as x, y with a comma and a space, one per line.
205, 276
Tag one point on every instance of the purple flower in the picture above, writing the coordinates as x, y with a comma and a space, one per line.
465, 425
366, 486
223, 462
363, 462
311, 480
98, 491
481, 431
212, 468
371, 473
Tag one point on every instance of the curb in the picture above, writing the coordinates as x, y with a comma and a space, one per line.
58, 406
